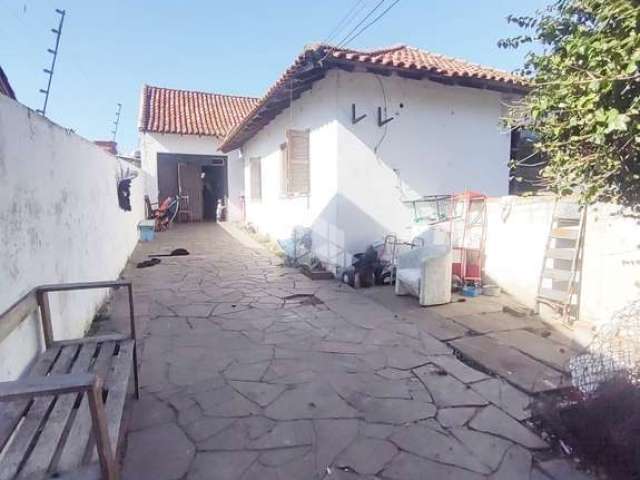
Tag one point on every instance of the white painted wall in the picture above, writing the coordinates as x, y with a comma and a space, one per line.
277, 215
517, 230
153, 143
442, 140
59, 222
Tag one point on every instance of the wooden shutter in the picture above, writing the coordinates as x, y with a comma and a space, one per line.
255, 171
298, 161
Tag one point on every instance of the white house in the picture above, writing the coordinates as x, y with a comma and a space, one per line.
180, 134
345, 137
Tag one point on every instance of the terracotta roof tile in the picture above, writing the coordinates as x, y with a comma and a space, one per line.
5, 86
416, 59
402, 59
411, 58
166, 110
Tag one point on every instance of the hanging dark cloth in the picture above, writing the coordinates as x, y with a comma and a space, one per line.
124, 194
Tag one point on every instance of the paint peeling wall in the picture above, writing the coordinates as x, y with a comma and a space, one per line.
517, 230
59, 222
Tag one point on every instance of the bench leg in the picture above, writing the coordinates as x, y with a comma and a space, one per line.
45, 316
103, 444
132, 319
136, 381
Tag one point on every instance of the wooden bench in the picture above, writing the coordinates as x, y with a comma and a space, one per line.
62, 419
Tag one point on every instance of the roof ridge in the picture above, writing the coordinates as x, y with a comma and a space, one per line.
380, 51
201, 91
372, 51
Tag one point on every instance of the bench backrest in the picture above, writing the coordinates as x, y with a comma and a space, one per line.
16, 313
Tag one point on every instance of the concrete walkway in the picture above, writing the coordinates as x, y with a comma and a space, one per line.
251, 371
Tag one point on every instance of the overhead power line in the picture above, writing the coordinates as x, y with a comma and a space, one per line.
371, 12
363, 29
348, 35
344, 22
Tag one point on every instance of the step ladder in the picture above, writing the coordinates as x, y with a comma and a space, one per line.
559, 283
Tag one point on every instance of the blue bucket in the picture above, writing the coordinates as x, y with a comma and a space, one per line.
146, 229
470, 291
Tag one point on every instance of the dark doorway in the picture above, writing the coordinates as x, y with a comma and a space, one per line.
202, 177
214, 183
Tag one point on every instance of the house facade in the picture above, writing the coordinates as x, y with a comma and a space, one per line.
370, 131
180, 135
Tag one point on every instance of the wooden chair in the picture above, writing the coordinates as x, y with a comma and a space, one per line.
184, 211
63, 418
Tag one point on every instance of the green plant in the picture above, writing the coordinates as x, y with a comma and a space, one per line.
584, 102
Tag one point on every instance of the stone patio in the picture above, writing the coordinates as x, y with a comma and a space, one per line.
498, 335
246, 376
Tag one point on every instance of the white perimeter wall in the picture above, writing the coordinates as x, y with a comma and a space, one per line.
59, 222
153, 143
277, 215
517, 230
442, 140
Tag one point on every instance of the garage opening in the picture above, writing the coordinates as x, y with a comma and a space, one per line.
199, 180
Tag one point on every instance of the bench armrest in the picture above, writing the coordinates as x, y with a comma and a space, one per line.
49, 385
42, 294
63, 287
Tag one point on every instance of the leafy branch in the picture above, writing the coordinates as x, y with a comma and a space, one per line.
584, 104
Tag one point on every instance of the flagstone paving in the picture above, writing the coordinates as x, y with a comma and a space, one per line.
244, 378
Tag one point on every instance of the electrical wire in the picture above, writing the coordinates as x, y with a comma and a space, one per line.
384, 133
341, 42
371, 12
363, 29
346, 19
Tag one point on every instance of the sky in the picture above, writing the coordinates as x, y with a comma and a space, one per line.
110, 48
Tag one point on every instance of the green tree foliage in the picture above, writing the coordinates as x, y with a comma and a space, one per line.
585, 99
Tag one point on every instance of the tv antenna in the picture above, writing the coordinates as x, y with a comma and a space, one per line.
49, 71
116, 122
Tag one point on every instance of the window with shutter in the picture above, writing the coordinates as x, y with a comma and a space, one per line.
296, 163
255, 171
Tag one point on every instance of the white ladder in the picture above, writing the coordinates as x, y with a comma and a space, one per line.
560, 277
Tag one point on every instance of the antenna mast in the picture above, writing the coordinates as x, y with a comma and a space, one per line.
54, 52
114, 132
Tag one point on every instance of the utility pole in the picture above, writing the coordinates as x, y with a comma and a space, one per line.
114, 132
49, 71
